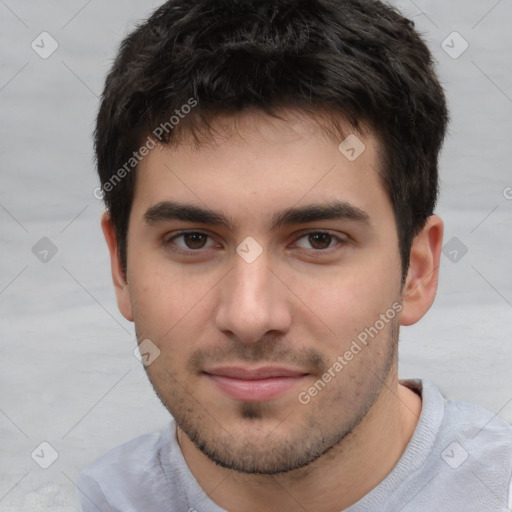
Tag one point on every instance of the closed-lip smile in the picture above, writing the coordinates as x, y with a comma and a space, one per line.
254, 384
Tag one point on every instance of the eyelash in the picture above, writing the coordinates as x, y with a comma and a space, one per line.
341, 240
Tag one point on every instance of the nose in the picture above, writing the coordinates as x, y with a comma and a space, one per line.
253, 301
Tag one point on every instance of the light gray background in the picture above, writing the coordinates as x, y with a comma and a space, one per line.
67, 372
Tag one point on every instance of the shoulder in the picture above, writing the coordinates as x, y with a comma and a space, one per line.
456, 417
125, 474
476, 448
481, 433
141, 451
461, 453
476, 422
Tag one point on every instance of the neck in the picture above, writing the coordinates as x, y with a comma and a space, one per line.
333, 482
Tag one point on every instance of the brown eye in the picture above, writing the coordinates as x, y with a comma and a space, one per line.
320, 240
189, 241
195, 240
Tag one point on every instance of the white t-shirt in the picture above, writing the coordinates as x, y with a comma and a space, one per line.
458, 460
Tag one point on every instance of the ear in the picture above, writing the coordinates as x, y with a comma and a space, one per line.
120, 282
422, 277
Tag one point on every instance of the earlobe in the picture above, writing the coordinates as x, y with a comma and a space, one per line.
118, 276
421, 284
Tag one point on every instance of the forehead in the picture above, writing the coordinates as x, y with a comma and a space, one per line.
208, 130
256, 162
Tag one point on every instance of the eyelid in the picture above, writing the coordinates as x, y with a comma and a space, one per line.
312, 231
168, 240
340, 237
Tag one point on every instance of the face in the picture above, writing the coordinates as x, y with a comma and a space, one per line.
258, 264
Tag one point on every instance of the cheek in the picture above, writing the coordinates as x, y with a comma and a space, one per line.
169, 304
158, 303
353, 290
343, 303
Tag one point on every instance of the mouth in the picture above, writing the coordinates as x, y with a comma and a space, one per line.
254, 385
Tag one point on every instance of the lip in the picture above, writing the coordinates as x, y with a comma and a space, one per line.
254, 385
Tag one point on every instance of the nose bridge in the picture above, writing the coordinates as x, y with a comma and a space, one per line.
251, 304
251, 279
251, 283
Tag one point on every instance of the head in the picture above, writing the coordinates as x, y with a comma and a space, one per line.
232, 120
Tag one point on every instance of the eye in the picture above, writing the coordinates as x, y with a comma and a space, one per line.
190, 241
319, 240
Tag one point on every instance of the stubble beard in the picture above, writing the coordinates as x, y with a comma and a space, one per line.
278, 450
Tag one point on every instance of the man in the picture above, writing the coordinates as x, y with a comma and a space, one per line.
270, 175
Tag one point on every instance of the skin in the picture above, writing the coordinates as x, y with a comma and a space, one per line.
300, 304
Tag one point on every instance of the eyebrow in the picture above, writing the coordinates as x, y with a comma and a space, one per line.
334, 210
